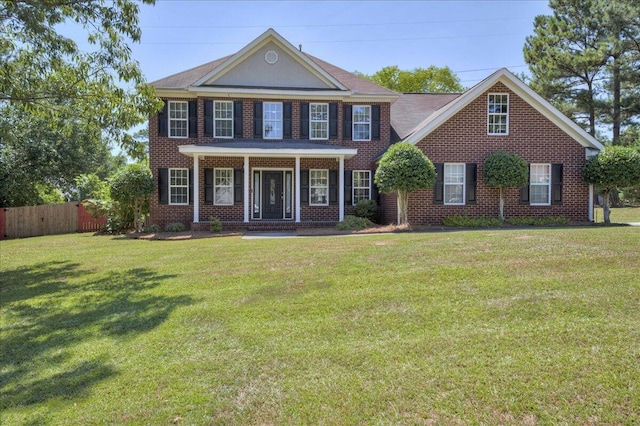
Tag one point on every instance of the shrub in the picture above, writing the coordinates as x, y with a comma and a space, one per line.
154, 229
464, 221
215, 224
538, 221
175, 227
367, 209
353, 223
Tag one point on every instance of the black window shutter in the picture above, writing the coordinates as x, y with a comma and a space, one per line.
208, 118
304, 186
333, 187
375, 122
375, 194
347, 120
438, 192
238, 186
471, 175
257, 120
208, 186
333, 120
348, 181
190, 186
556, 184
286, 120
162, 120
193, 119
304, 120
237, 119
163, 186
524, 191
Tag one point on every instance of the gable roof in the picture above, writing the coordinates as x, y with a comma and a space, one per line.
411, 109
505, 77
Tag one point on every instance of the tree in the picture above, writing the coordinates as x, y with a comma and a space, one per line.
131, 188
419, 80
404, 169
505, 170
615, 167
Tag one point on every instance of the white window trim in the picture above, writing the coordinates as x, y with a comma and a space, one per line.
325, 187
215, 128
311, 120
223, 186
264, 121
179, 186
353, 185
548, 185
498, 114
169, 119
353, 123
464, 184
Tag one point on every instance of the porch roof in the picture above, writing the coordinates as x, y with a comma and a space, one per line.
262, 148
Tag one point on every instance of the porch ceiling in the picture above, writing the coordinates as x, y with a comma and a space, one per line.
261, 148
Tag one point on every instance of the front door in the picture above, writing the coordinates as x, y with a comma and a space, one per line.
272, 195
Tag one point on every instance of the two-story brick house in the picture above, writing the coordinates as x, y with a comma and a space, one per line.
272, 134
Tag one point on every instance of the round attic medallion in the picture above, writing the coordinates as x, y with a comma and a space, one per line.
271, 57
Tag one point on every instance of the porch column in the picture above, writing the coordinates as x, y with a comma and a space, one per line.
196, 188
341, 189
590, 203
297, 189
246, 188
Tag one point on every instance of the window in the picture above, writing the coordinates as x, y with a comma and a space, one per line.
361, 122
223, 119
318, 187
272, 120
178, 186
223, 187
178, 119
540, 184
454, 183
498, 123
361, 185
319, 121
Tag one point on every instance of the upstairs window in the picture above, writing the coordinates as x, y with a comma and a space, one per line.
178, 119
223, 119
498, 114
361, 185
540, 184
319, 187
454, 184
319, 121
178, 186
361, 122
272, 120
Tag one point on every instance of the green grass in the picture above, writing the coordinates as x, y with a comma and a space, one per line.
483, 327
619, 215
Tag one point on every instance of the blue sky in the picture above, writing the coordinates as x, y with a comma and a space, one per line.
357, 35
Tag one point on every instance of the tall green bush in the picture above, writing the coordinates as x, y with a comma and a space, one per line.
505, 170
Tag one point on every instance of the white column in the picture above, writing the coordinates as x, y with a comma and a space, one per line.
196, 188
297, 189
591, 203
341, 189
246, 189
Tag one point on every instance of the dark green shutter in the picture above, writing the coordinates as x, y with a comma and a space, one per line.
524, 191
257, 120
375, 194
304, 120
208, 118
238, 186
193, 119
286, 120
237, 119
190, 186
375, 122
163, 120
438, 192
556, 184
208, 186
333, 120
347, 120
304, 186
348, 181
333, 187
471, 176
163, 186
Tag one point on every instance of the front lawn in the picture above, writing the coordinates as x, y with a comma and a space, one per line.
619, 215
487, 327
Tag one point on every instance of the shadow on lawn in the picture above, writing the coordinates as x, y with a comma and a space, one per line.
50, 309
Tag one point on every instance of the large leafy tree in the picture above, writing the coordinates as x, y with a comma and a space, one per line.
418, 80
404, 169
504, 170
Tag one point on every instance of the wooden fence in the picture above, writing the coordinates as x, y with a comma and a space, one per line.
49, 219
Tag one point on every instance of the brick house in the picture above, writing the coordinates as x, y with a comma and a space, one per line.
274, 136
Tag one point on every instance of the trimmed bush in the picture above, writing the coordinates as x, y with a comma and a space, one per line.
353, 223
464, 221
175, 227
154, 229
538, 221
367, 209
215, 225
